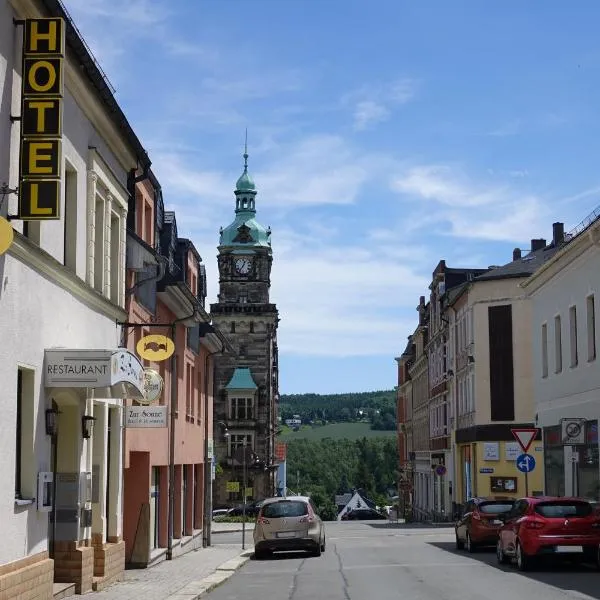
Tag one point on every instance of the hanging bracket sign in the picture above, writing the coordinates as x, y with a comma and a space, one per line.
153, 386
155, 348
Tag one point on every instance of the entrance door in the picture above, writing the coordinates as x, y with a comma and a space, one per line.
185, 500
107, 510
154, 506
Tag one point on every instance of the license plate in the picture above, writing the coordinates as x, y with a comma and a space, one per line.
569, 549
286, 534
496, 522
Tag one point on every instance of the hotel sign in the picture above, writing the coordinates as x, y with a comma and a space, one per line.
41, 119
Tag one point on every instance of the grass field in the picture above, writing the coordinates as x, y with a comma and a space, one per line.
351, 431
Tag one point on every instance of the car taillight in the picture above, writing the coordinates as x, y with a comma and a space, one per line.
307, 519
263, 521
533, 524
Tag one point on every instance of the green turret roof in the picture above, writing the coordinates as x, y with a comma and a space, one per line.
245, 232
241, 380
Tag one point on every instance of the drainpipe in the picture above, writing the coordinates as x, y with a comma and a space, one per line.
207, 517
174, 404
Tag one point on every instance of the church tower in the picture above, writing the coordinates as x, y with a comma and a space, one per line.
246, 383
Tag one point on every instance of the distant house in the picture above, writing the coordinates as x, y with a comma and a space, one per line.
296, 421
357, 501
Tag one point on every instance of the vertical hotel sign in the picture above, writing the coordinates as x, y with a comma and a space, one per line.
41, 119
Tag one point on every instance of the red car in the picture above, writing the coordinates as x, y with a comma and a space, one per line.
479, 524
549, 526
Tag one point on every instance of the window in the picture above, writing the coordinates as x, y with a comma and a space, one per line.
573, 335
243, 298
236, 441
232, 329
241, 409
544, 350
24, 452
70, 222
591, 327
285, 508
115, 258
99, 235
557, 345
251, 327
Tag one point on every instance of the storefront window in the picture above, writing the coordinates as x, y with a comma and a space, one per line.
554, 462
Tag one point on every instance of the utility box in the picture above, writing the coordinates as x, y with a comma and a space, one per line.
45, 491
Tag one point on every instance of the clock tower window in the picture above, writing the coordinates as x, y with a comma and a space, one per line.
233, 328
243, 298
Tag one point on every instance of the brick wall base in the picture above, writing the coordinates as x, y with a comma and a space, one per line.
109, 562
29, 578
74, 563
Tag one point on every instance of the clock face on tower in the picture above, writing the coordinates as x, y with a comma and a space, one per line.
242, 265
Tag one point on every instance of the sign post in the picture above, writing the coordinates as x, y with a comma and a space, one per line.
525, 462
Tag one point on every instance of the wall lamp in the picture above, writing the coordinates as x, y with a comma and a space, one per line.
223, 428
470, 359
87, 426
450, 373
52, 421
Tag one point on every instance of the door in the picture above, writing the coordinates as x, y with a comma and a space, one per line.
154, 510
52, 513
184, 516
508, 533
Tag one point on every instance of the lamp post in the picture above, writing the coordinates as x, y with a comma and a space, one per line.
244, 493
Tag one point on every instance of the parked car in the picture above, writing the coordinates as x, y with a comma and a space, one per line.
479, 523
220, 512
549, 526
288, 524
252, 509
364, 514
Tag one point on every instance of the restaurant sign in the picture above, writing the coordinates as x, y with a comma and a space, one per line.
145, 416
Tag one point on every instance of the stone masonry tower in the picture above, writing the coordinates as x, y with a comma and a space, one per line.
247, 390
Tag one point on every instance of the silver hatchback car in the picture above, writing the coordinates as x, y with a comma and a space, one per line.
288, 524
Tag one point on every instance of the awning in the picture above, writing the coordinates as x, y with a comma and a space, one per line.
110, 373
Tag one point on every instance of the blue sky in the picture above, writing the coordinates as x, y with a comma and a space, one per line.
383, 137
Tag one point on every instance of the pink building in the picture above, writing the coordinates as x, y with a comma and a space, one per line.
167, 289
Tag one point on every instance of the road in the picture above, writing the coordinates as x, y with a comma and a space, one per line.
375, 561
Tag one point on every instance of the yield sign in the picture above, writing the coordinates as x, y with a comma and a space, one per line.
525, 436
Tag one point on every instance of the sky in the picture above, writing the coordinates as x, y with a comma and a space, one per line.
383, 137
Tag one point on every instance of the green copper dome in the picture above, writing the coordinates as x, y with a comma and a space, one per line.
245, 183
245, 232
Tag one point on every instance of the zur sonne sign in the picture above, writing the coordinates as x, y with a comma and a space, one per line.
41, 119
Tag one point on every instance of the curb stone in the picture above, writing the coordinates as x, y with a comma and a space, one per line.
197, 589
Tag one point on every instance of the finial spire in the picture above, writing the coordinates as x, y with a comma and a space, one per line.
246, 152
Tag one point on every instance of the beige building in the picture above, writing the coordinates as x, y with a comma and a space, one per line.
492, 393
421, 457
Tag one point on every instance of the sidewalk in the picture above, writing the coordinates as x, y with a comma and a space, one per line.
186, 577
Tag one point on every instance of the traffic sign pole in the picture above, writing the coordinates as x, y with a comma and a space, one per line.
526, 485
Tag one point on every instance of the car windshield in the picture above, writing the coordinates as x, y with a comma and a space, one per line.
495, 508
291, 508
563, 509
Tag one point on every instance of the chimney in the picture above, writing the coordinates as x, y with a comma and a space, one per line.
538, 244
558, 233
516, 253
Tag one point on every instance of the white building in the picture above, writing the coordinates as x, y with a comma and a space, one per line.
62, 286
565, 293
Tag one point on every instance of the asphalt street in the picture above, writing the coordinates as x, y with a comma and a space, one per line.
365, 561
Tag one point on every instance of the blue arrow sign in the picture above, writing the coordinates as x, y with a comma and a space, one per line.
525, 463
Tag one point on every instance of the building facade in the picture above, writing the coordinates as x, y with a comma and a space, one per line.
247, 381
490, 319
166, 292
565, 294
63, 291
421, 454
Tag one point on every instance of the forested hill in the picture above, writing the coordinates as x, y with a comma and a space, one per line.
378, 407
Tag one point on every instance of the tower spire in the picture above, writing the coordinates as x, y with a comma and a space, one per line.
244, 184
246, 152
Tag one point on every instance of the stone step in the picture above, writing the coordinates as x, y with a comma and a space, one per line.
63, 590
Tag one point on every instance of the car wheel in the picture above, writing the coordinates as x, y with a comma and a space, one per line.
323, 546
523, 561
260, 554
459, 543
317, 551
469, 544
502, 559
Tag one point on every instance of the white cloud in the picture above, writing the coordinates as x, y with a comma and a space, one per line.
473, 209
375, 103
